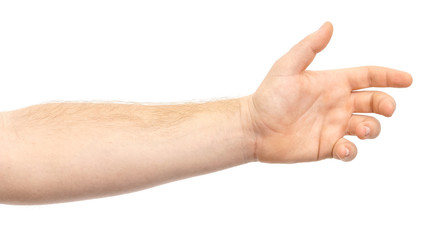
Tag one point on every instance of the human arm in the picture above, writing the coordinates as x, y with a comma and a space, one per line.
71, 151
61, 152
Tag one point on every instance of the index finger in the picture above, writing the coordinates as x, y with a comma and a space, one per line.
372, 76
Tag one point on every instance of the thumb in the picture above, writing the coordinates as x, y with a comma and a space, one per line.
302, 54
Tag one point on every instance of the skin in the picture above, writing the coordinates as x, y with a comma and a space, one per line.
62, 152
300, 115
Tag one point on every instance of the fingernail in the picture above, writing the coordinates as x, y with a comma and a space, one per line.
346, 155
346, 152
367, 131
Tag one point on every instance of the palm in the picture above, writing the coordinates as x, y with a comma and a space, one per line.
301, 115
304, 118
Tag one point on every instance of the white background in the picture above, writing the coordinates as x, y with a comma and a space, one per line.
172, 51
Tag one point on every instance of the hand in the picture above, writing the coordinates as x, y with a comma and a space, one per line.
299, 115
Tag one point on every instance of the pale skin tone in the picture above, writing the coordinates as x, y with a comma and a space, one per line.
62, 152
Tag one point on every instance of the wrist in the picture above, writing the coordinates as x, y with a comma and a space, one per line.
247, 126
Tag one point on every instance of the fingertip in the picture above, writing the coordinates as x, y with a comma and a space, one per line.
374, 129
409, 80
347, 153
363, 131
323, 36
329, 25
388, 108
345, 150
401, 79
328, 29
366, 131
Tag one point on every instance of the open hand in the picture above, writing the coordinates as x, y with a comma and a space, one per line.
299, 115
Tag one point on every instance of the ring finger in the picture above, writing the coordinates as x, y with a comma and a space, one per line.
364, 127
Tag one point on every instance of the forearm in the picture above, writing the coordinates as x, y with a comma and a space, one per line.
70, 151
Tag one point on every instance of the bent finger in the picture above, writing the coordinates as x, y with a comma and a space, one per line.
373, 102
364, 127
344, 150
